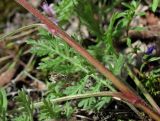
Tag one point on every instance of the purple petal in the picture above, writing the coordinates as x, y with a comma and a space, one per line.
48, 9
150, 49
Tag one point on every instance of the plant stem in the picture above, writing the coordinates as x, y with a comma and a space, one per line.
126, 91
143, 90
119, 84
117, 95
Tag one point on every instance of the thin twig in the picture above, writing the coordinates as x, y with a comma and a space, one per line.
5, 58
25, 33
3, 37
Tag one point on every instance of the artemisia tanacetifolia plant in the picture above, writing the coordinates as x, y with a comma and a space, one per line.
126, 92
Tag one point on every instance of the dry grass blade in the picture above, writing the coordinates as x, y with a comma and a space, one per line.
7, 76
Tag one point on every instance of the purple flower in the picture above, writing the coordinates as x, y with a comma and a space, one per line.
150, 49
48, 9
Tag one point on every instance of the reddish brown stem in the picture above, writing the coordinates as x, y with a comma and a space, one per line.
127, 92
121, 86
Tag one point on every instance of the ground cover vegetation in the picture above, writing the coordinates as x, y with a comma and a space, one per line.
44, 78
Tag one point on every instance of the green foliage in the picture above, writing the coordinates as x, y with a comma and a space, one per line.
68, 110
85, 11
3, 104
101, 102
78, 88
54, 111
55, 90
151, 79
87, 103
115, 29
116, 65
147, 59
26, 105
65, 9
22, 117
60, 57
154, 5
57, 57
108, 38
49, 110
